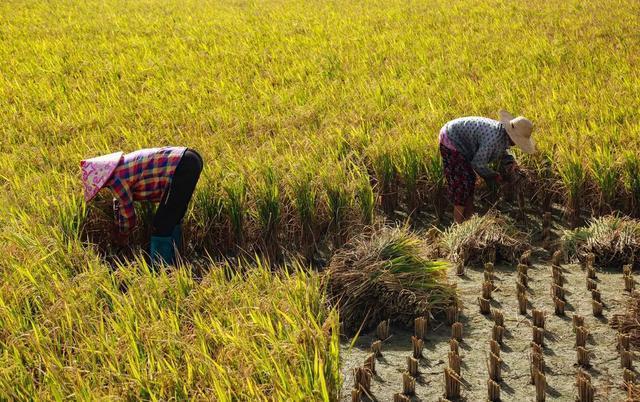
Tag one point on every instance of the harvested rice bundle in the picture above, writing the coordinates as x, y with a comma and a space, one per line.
612, 240
386, 274
629, 322
476, 240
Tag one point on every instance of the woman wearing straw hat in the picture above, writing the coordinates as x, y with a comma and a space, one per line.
469, 144
165, 175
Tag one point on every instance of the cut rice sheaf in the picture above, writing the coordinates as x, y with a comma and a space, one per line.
614, 241
480, 238
387, 274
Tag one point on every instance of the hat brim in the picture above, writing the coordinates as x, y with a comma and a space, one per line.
527, 145
106, 165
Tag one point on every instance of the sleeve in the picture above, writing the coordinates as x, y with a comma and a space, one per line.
507, 158
481, 160
124, 209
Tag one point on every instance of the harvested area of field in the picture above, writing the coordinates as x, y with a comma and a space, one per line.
559, 349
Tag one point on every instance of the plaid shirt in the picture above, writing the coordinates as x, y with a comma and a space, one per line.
142, 175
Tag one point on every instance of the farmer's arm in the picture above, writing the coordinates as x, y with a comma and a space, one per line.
481, 160
123, 207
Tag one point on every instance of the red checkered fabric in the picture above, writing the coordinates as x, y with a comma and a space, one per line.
142, 175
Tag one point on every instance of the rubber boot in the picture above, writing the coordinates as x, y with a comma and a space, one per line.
162, 251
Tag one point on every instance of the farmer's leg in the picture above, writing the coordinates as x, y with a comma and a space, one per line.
174, 205
468, 208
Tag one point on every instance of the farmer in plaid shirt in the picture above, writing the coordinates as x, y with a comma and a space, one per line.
166, 175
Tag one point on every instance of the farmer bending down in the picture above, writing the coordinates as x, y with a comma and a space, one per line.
469, 144
165, 175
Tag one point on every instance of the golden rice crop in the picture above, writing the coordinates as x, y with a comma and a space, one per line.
313, 118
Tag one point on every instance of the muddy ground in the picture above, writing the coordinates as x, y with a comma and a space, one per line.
559, 351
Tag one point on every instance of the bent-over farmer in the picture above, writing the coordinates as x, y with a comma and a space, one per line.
469, 144
166, 175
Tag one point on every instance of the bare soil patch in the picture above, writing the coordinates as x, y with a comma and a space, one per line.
559, 351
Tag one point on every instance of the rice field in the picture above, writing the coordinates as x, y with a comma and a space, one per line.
316, 120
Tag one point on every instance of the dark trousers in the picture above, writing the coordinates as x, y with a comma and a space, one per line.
176, 199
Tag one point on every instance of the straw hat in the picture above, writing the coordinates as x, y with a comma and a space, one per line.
96, 172
519, 129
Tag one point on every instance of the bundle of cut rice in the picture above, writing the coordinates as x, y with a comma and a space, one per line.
629, 321
475, 241
614, 241
386, 274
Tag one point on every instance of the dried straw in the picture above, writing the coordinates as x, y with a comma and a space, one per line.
597, 308
586, 391
595, 295
583, 356
418, 345
494, 347
401, 398
624, 341
525, 258
376, 348
451, 384
629, 283
460, 269
421, 325
454, 345
456, 331
627, 269
591, 273
538, 317
408, 384
578, 321
498, 317
497, 333
487, 288
541, 385
523, 279
382, 330
558, 277
356, 395
520, 288
488, 276
557, 291
362, 378
629, 321
493, 390
626, 359
559, 306
370, 363
523, 269
557, 258
581, 336
386, 273
455, 362
495, 367
453, 313
485, 305
484, 239
412, 366
591, 284
537, 365
489, 267
538, 335
522, 303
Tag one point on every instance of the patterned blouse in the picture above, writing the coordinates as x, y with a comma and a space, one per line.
481, 141
142, 175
